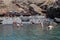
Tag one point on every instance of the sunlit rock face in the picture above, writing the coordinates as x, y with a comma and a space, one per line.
7, 2
24, 4
33, 1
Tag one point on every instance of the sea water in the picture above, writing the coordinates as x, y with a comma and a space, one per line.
29, 32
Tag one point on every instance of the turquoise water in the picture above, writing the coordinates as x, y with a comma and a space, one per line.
29, 32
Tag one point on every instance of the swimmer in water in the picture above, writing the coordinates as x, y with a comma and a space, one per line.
14, 23
50, 27
19, 25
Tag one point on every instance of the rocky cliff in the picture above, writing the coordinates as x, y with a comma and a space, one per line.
31, 6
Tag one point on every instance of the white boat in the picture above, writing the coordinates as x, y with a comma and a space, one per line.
7, 20
24, 20
37, 19
57, 19
10, 20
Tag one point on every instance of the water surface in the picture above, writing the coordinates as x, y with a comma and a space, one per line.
29, 32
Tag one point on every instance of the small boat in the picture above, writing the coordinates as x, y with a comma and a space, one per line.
57, 20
